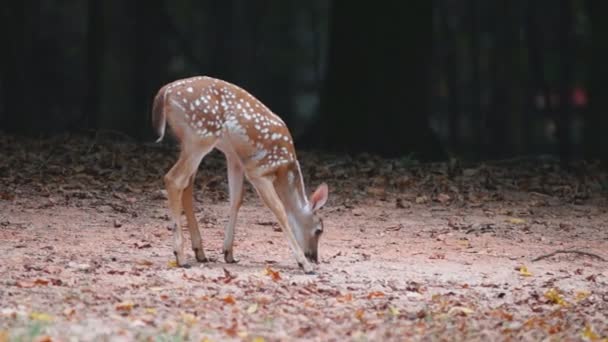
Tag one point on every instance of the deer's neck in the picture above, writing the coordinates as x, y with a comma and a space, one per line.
291, 190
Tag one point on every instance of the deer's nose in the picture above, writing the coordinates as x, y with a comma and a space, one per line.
312, 257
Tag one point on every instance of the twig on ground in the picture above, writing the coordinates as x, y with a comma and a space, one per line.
563, 251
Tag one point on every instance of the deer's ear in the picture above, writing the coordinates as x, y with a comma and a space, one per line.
319, 197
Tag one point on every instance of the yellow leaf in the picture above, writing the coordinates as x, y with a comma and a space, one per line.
554, 297
516, 220
589, 334
359, 314
258, 339
206, 340
523, 271
581, 295
125, 306
252, 308
151, 311
189, 319
172, 264
460, 310
40, 316
242, 334
394, 311
275, 275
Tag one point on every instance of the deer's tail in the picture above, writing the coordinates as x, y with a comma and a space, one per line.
159, 119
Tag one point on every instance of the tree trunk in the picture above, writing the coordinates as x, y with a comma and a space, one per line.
564, 119
451, 63
376, 96
94, 63
20, 27
476, 110
596, 123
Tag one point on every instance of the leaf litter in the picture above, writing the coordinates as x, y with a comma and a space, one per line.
411, 251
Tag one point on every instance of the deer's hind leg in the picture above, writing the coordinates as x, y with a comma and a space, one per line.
176, 182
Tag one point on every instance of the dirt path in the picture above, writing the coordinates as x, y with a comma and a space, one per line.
89, 258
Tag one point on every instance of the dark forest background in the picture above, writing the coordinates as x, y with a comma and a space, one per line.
422, 79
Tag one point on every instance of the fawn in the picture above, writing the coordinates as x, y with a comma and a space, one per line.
206, 113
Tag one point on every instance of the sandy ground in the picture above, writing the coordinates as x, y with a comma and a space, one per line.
86, 255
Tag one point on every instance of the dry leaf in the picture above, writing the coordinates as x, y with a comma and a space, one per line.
375, 294
275, 275
40, 316
460, 310
393, 311
125, 306
555, 297
359, 314
172, 263
582, 295
258, 339
229, 300
189, 319
252, 308
345, 298
516, 220
523, 271
151, 311
589, 334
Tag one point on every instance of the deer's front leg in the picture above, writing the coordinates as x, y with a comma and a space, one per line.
235, 184
266, 190
174, 194
195, 234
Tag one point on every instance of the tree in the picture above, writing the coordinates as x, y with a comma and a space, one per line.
596, 123
376, 96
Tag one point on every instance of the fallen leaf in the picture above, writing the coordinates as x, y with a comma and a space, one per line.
345, 298
516, 220
189, 319
229, 300
275, 275
40, 316
4, 336
41, 282
172, 263
150, 311
589, 334
43, 338
581, 295
393, 311
258, 339
555, 297
252, 308
523, 271
125, 306
460, 310
443, 198
228, 277
421, 199
359, 314
375, 294
69, 312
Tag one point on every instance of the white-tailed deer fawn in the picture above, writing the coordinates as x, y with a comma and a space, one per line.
205, 113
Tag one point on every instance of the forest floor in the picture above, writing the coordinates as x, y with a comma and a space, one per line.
410, 251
